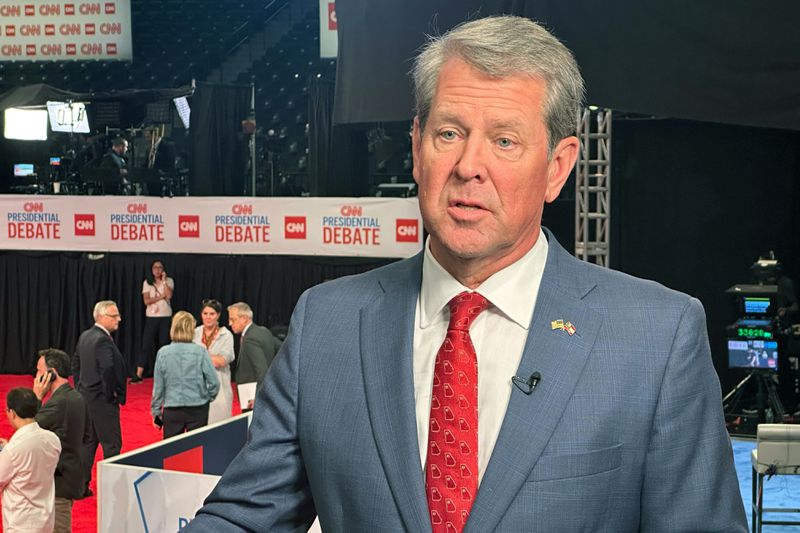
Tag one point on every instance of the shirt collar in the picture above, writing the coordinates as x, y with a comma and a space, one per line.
246, 328
509, 290
104, 329
27, 428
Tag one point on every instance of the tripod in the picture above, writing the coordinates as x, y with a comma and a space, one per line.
766, 396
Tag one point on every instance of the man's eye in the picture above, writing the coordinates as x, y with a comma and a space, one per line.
448, 135
505, 142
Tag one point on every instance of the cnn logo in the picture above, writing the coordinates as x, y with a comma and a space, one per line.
295, 227
407, 230
188, 226
84, 225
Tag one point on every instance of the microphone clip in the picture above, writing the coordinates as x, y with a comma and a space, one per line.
527, 385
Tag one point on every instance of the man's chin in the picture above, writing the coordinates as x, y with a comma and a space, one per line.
459, 249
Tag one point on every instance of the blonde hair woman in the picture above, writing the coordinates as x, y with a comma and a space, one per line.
184, 380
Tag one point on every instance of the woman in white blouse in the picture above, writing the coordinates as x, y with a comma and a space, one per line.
156, 293
219, 343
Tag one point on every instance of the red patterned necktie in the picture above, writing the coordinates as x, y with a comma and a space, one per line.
451, 473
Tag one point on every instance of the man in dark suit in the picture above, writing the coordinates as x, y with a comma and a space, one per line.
116, 161
66, 415
101, 378
257, 346
493, 382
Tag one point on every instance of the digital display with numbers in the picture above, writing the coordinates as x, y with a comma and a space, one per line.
753, 333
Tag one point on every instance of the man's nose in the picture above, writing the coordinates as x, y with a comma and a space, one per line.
472, 161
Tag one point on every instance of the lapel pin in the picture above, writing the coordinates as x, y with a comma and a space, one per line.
563, 326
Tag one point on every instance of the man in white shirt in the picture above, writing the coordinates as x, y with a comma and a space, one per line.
27, 463
492, 382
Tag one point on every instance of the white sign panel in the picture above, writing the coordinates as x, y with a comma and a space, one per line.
352, 227
328, 29
147, 500
65, 30
68, 117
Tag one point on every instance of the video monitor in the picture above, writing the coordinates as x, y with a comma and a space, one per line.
24, 169
55, 161
753, 353
757, 305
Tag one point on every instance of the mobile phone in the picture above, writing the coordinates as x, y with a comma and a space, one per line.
157, 420
52, 374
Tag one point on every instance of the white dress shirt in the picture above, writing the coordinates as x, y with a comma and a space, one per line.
498, 334
27, 465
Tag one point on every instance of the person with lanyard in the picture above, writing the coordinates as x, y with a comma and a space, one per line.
157, 294
219, 343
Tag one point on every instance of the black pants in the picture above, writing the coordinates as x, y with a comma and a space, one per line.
156, 335
105, 430
180, 419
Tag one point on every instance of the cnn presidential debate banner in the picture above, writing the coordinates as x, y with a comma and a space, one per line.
353, 227
37, 30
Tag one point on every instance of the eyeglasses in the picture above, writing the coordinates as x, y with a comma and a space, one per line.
210, 303
116, 315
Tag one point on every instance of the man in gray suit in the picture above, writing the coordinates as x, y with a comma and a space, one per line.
257, 346
598, 408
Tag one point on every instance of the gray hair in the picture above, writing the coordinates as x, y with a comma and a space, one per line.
101, 307
243, 309
500, 47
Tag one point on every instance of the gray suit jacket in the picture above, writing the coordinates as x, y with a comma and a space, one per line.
257, 350
623, 433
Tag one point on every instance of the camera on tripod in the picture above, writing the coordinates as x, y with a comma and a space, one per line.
753, 340
756, 341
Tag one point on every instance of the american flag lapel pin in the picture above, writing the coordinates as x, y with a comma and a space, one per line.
563, 325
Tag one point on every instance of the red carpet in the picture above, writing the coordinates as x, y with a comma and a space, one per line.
137, 431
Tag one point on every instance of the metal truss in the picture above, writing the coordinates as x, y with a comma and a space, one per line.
593, 186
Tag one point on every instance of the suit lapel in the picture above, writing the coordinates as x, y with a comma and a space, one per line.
386, 335
531, 419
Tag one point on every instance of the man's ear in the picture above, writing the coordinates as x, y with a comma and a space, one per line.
564, 156
416, 142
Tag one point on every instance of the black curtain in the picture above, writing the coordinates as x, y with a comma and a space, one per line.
48, 298
218, 148
338, 159
694, 204
731, 61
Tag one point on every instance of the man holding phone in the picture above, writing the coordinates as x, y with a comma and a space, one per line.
66, 415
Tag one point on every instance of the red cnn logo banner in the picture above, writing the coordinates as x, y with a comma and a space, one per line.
332, 23
84, 225
188, 226
407, 230
295, 227
110, 8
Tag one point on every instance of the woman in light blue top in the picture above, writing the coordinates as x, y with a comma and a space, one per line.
184, 380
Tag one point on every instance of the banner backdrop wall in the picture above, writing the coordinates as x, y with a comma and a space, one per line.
352, 227
65, 30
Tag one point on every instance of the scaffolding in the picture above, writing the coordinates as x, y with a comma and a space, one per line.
593, 186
